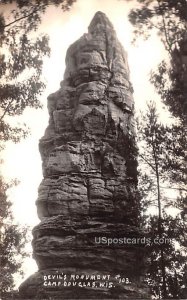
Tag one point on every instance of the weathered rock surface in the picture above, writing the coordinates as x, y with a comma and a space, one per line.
90, 177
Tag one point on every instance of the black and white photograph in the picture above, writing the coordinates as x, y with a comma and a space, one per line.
93, 149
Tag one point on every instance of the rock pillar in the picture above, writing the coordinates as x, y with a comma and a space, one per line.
88, 201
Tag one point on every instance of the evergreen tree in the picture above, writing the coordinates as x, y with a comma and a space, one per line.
169, 19
166, 265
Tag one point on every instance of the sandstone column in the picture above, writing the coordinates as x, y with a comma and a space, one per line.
89, 188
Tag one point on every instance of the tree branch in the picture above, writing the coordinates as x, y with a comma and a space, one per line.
5, 111
168, 47
24, 17
147, 161
174, 188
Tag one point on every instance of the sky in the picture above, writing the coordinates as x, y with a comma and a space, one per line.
22, 161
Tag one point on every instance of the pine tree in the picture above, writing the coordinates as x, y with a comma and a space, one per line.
165, 264
169, 19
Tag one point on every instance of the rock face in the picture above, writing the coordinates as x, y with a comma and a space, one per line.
88, 196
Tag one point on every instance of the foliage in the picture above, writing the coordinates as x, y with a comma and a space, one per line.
12, 242
173, 259
21, 59
159, 161
169, 19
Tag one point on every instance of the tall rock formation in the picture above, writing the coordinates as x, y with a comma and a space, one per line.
88, 201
